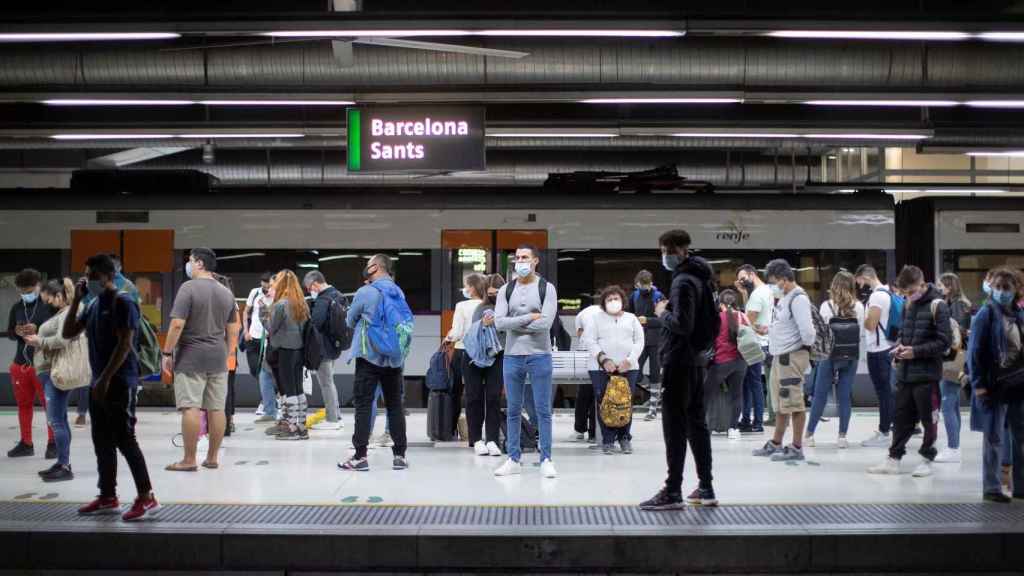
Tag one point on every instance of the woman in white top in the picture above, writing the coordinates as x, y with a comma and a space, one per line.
842, 304
474, 290
615, 339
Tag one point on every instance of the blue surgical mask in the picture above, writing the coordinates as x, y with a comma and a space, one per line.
188, 269
466, 294
777, 292
95, 287
1002, 297
670, 261
523, 269
986, 288
30, 297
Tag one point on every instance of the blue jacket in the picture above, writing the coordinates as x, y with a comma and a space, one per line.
985, 349
482, 344
365, 304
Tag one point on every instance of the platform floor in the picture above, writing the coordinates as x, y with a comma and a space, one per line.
259, 470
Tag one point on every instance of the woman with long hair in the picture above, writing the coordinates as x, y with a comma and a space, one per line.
843, 303
728, 369
960, 311
484, 384
288, 315
474, 290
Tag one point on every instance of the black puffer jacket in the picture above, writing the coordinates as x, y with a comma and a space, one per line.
929, 336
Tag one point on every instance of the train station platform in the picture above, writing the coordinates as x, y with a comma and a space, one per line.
283, 506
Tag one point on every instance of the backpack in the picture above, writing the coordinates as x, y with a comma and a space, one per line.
845, 337
337, 323
312, 355
895, 321
542, 289
749, 345
707, 321
956, 338
439, 374
822, 348
389, 331
561, 337
617, 404
146, 345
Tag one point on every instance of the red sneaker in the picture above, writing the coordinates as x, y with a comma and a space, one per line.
140, 508
101, 505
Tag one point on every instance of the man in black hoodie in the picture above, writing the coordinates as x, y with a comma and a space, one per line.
925, 338
690, 323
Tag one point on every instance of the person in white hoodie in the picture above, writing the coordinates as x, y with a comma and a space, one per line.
615, 340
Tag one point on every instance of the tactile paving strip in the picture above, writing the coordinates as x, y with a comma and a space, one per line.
967, 517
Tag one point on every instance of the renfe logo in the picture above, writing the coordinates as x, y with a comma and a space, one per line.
736, 235
420, 139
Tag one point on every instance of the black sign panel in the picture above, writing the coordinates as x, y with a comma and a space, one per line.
416, 139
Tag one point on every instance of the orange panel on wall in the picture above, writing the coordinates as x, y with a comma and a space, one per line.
455, 239
447, 319
88, 243
510, 239
149, 250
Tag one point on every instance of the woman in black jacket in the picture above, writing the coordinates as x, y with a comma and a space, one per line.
923, 342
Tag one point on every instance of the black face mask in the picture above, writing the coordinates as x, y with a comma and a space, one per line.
265, 291
644, 290
367, 273
748, 285
864, 292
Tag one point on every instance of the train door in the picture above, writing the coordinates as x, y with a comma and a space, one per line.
482, 251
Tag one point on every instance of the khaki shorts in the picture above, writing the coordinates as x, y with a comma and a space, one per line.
786, 384
206, 390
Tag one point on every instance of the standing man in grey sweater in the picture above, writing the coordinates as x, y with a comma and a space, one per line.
791, 337
525, 310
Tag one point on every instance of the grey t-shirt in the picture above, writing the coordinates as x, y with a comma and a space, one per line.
526, 336
206, 307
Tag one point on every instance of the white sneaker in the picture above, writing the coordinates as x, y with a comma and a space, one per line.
809, 442
879, 440
480, 448
843, 443
890, 467
385, 441
948, 456
734, 433
923, 470
259, 410
328, 426
509, 468
493, 449
547, 469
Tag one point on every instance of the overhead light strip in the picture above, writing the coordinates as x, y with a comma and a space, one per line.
132, 136
500, 33
240, 135
893, 103
994, 154
553, 135
870, 34
662, 101
277, 102
85, 36
114, 102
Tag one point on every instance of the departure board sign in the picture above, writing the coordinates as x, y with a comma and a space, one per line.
416, 139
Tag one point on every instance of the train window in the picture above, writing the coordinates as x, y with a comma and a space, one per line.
341, 266
993, 228
972, 267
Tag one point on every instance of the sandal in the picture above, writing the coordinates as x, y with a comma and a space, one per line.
211, 465
177, 467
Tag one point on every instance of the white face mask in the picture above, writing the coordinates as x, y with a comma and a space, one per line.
466, 293
523, 269
613, 306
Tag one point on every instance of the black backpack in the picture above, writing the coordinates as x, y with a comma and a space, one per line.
337, 323
707, 322
542, 290
311, 347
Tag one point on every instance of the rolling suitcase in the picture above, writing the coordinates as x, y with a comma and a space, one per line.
440, 415
718, 411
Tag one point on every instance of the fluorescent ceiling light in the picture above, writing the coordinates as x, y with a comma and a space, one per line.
410, 253
277, 102
110, 136
961, 191
735, 135
85, 36
364, 33
623, 33
870, 34
511, 32
662, 101
240, 135
866, 136
240, 256
932, 103
339, 257
553, 135
996, 103
102, 102
1002, 36
1007, 154
304, 265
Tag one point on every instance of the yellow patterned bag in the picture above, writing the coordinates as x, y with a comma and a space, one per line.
617, 404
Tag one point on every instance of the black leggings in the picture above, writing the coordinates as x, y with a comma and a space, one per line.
288, 372
457, 388
483, 399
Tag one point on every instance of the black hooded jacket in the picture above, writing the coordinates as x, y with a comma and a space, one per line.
688, 319
929, 336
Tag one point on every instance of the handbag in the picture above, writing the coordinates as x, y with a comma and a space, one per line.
70, 367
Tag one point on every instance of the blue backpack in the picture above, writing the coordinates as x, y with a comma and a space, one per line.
389, 331
895, 321
439, 374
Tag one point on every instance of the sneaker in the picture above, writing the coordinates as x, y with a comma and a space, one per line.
997, 497
757, 429
385, 441
399, 463
354, 464
277, 428
265, 418
480, 448
648, 418
768, 450
890, 467
259, 411
923, 470
608, 449
664, 500
626, 446
576, 437
702, 497
297, 434
81, 422
509, 468
879, 440
842, 443
592, 440
789, 454
48, 470
324, 425
734, 433
141, 508
493, 449
59, 474
547, 469
809, 442
101, 505
21, 450
746, 428
948, 456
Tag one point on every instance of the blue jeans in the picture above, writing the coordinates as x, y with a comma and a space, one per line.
600, 380
880, 369
951, 412
268, 393
373, 410
516, 369
57, 416
823, 378
1006, 440
81, 396
753, 397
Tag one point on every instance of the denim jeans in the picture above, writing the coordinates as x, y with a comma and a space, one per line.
823, 378
57, 416
951, 412
268, 392
1006, 436
600, 380
516, 369
753, 397
880, 369
81, 396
